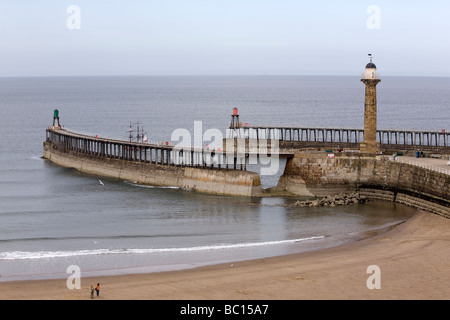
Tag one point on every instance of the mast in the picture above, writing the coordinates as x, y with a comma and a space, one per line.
130, 130
138, 133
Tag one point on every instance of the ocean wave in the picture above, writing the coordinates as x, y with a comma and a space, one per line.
106, 237
30, 255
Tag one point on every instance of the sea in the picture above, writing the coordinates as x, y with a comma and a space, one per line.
53, 218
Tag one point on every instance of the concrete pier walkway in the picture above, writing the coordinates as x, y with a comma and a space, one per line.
442, 165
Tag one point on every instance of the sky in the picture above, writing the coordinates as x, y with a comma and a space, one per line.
227, 37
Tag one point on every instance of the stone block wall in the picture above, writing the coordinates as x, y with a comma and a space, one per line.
319, 175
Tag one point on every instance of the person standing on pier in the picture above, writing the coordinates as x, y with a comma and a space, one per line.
97, 289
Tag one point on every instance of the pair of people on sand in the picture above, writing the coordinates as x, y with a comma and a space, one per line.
97, 289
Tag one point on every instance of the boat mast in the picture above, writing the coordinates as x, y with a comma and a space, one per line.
130, 130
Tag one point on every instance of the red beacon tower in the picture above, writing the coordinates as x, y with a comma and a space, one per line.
234, 125
234, 119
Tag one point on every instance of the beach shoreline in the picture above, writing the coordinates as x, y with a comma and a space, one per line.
413, 261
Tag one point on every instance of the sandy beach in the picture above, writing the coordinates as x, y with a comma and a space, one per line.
413, 261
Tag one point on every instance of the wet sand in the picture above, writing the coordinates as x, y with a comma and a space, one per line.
413, 261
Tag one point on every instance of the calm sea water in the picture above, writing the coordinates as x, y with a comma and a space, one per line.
53, 217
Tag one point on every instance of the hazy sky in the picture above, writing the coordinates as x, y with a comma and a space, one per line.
227, 37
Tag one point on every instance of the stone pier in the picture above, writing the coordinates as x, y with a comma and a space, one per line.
316, 174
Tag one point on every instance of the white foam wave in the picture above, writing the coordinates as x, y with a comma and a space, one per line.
29, 255
150, 187
37, 157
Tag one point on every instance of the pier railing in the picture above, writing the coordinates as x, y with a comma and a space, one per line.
405, 139
66, 141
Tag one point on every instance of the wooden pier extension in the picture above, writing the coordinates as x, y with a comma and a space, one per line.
65, 141
157, 165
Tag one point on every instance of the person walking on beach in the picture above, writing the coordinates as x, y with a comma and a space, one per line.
97, 289
92, 292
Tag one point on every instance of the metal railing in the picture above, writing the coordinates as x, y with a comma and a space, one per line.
99, 147
406, 139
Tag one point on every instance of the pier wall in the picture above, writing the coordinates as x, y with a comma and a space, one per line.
211, 181
314, 174
307, 173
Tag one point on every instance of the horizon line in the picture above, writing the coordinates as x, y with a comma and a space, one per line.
215, 75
